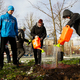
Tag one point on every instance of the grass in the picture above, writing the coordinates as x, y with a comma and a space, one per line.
71, 61
9, 72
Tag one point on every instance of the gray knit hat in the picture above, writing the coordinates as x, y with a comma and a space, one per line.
23, 27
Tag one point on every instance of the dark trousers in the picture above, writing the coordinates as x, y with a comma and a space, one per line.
8, 54
12, 42
37, 56
20, 52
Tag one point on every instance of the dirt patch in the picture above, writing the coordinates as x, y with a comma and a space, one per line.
62, 72
52, 66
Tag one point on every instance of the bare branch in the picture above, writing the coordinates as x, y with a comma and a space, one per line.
45, 5
29, 23
71, 4
37, 7
55, 14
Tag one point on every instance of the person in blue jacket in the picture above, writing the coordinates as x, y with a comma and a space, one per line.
9, 30
0, 40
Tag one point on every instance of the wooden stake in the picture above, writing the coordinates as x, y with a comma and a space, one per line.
56, 59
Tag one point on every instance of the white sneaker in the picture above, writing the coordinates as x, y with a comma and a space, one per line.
39, 64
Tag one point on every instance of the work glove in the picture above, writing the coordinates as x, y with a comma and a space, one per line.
29, 42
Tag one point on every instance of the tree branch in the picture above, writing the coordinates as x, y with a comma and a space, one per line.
39, 9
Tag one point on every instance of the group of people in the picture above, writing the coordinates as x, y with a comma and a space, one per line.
16, 37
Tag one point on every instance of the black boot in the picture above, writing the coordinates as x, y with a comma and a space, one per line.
1, 67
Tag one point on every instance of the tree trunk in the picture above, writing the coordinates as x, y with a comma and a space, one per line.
53, 23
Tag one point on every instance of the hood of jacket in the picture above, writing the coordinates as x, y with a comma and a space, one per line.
67, 13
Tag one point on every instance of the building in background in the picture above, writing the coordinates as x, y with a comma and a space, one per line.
49, 47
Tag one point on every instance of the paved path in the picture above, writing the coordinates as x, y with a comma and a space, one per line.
46, 58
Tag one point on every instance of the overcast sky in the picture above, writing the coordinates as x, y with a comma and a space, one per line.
23, 7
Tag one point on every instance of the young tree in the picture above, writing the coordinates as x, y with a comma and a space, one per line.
30, 21
55, 13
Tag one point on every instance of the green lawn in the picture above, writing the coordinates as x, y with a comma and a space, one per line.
9, 72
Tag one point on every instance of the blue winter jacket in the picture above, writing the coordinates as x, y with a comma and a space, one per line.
0, 39
8, 25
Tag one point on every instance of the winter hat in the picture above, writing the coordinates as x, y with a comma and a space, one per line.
67, 13
23, 27
40, 21
10, 8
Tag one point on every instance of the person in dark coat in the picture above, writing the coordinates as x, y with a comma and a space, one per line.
20, 40
40, 31
74, 20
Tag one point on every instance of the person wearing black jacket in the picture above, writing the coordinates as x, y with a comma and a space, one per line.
40, 31
20, 40
74, 20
